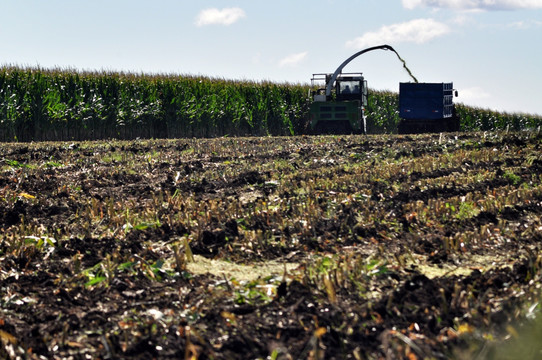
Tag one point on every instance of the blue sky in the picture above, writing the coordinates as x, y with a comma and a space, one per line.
490, 49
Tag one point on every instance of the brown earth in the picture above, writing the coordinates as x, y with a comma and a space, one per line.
282, 248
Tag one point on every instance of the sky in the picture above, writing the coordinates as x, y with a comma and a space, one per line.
490, 49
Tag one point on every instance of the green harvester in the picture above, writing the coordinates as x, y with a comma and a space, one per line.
343, 109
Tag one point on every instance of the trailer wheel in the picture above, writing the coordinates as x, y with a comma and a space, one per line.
455, 121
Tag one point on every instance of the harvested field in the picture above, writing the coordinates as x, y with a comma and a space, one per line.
313, 247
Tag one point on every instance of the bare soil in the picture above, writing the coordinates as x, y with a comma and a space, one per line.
322, 247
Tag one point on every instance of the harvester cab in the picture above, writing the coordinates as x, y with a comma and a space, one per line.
340, 110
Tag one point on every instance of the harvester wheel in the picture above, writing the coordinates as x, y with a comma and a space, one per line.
333, 128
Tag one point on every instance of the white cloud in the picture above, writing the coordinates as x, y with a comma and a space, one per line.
474, 4
215, 16
472, 94
462, 19
524, 25
257, 58
417, 31
293, 59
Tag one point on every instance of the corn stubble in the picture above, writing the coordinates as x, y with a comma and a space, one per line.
421, 246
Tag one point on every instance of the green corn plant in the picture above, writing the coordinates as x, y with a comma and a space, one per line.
64, 104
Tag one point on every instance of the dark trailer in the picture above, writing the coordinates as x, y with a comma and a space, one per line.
427, 107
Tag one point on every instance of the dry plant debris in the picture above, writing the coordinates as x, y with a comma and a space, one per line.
418, 247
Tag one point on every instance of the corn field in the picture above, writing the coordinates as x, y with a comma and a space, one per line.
61, 104
67, 105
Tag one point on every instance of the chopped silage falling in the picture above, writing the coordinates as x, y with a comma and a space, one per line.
405, 65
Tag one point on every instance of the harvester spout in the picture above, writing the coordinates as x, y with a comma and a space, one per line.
329, 85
